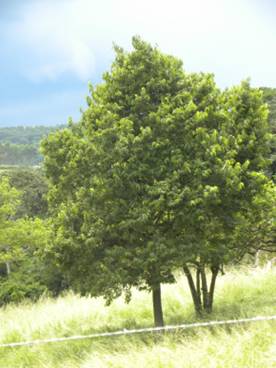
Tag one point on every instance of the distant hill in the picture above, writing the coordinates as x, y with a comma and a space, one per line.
25, 134
20, 145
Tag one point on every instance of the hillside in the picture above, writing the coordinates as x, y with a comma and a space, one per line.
240, 293
20, 145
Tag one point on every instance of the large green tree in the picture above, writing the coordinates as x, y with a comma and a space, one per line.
157, 175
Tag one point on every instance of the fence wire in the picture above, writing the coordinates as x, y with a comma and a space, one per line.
138, 331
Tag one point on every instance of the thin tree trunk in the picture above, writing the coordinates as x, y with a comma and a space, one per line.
195, 296
202, 295
198, 289
157, 306
215, 271
257, 259
204, 288
8, 268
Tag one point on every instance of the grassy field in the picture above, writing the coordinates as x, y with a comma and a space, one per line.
240, 293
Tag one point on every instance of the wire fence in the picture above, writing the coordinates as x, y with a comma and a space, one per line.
138, 331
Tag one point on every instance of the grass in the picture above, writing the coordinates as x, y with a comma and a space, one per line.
240, 293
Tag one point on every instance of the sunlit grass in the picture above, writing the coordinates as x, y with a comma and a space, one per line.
240, 293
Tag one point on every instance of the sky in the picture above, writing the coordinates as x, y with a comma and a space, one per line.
51, 49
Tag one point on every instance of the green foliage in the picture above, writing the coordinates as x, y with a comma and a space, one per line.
163, 170
9, 200
32, 183
21, 155
21, 285
30, 277
269, 95
23, 273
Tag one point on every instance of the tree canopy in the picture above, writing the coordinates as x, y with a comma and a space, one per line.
163, 171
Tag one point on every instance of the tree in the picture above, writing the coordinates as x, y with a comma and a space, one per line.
15, 234
138, 82
20, 238
33, 187
9, 200
155, 177
241, 198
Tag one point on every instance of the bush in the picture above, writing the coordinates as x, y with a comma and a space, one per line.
15, 288
30, 279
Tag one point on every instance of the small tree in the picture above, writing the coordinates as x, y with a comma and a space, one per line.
237, 199
19, 240
9, 200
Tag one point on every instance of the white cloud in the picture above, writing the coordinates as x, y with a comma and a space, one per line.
56, 43
227, 37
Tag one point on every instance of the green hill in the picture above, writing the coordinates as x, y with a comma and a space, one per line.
19, 145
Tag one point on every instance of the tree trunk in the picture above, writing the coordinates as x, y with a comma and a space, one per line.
257, 259
194, 291
198, 288
8, 268
157, 306
205, 293
202, 295
215, 271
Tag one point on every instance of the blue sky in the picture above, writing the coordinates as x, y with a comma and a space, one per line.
50, 49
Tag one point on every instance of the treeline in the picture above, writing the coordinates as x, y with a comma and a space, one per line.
20, 145
29, 135
19, 154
